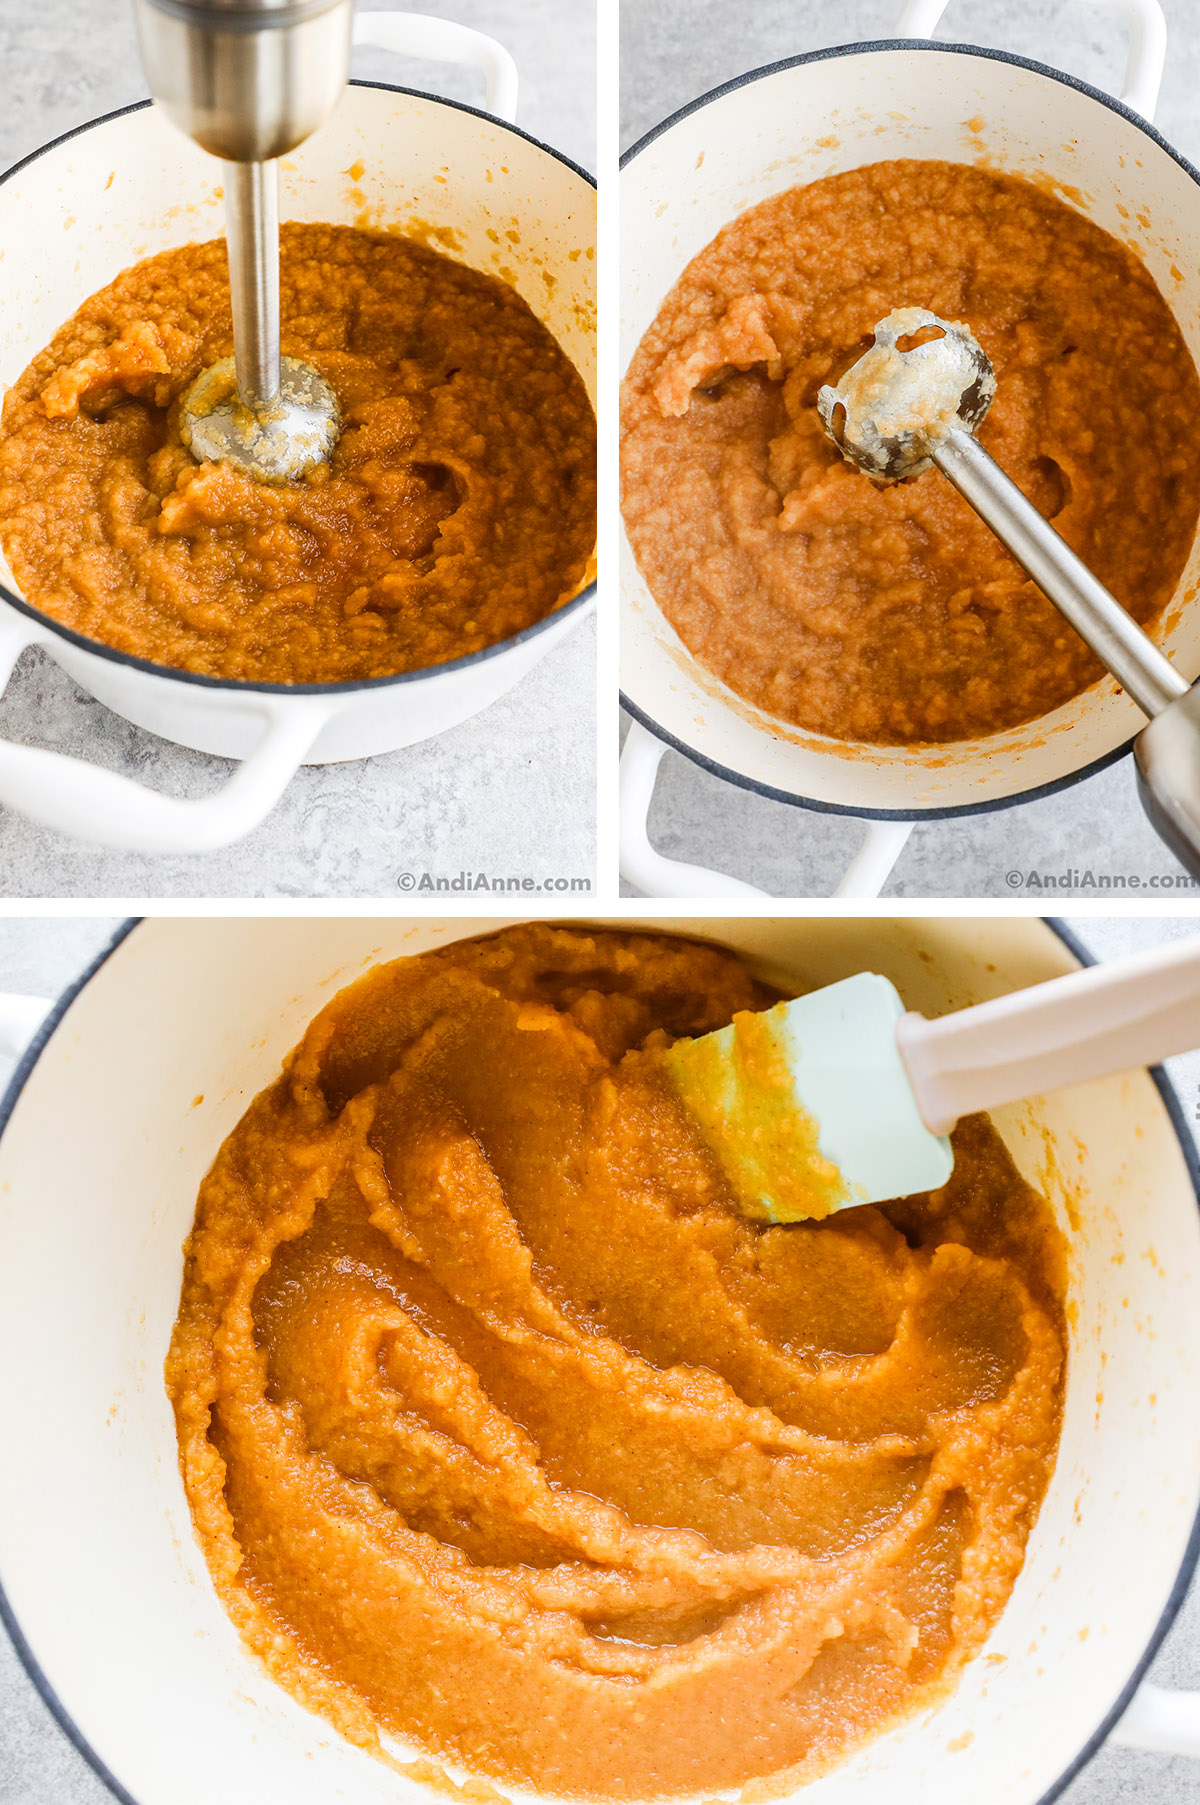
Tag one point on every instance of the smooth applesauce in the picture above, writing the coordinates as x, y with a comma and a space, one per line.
507, 1436
457, 509
892, 614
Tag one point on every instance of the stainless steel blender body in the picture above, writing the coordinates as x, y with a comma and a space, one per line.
249, 80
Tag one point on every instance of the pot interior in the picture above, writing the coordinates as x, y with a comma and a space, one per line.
100, 1162
131, 185
794, 126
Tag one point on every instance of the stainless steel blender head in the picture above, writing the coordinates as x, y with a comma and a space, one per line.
919, 376
249, 80
914, 400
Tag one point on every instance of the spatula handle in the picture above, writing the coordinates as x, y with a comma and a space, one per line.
1109, 1018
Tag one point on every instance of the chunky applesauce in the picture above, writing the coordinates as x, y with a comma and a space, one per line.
458, 508
507, 1436
891, 614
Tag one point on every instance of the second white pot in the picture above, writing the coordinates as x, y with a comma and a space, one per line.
793, 123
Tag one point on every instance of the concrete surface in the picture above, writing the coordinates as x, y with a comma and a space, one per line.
39, 1767
512, 791
672, 51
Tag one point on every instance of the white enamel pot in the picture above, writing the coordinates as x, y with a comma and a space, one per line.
107, 1129
78, 212
792, 123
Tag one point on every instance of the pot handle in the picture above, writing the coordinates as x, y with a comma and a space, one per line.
1147, 43
20, 1019
443, 41
1162, 1720
655, 875
76, 798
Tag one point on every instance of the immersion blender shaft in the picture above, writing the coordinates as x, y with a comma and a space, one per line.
252, 234
1120, 644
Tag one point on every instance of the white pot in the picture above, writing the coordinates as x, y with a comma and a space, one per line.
101, 1152
795, 122
130, 185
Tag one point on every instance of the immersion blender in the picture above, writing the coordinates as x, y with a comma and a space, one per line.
914, 399
249, 80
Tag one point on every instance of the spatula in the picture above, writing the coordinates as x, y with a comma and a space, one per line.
842, 1097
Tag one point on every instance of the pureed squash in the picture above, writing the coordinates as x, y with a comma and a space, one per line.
890, 614
458, 507
505, 1434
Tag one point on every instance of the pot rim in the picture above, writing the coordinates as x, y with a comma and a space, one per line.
758, 788
1183, 1578
248, 686
871, 46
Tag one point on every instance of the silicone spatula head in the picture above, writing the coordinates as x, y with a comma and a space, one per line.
807, 1107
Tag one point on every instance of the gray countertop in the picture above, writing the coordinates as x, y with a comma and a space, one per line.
39, 1767
672, 51
512, 791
